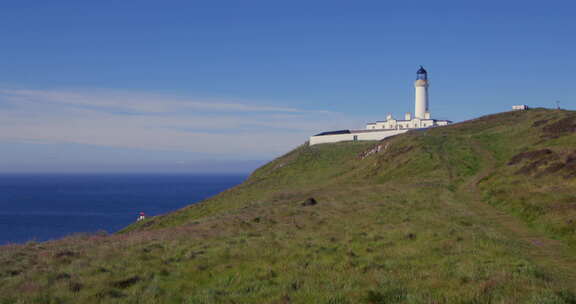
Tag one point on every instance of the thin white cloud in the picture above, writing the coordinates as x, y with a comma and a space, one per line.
136, 102
238, 130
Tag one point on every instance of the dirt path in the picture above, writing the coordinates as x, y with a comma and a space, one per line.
553, 255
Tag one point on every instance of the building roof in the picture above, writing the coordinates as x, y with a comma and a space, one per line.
333, 132
353, 131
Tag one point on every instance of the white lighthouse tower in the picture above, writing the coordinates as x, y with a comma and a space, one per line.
382, 129
421, 88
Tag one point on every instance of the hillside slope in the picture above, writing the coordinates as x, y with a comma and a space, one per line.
478, 212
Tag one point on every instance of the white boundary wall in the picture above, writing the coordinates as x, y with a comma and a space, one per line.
362, 135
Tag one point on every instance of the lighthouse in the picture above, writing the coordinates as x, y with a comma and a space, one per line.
421, 100
380, 130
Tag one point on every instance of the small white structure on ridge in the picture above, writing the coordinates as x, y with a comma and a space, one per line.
390, 127
520, 108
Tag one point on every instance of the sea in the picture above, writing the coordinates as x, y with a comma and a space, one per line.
41, 207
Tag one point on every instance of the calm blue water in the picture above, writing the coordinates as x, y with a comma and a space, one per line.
43, 207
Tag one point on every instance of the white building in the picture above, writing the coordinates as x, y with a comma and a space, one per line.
390, 127
520, 107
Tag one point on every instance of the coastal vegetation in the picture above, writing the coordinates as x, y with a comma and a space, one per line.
482, 211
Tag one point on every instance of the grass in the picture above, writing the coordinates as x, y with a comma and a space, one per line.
409, 224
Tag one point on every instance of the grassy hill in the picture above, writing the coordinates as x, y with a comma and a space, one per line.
477, 212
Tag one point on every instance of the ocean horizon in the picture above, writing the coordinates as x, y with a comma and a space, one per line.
45, 206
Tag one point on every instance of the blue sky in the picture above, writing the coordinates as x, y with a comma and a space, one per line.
212, 86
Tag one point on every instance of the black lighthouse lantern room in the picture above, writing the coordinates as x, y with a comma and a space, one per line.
421, 74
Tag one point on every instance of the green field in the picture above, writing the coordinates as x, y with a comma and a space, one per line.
477, 212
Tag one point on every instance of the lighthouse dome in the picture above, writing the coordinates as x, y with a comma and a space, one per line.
421, 74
